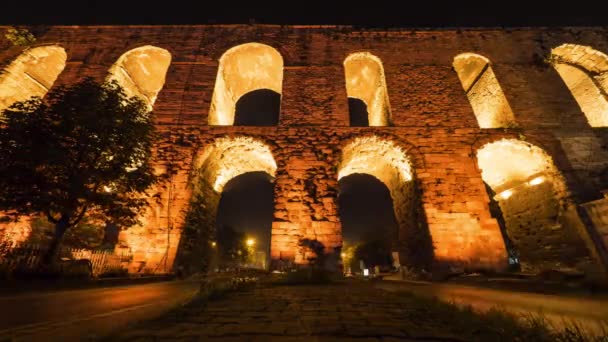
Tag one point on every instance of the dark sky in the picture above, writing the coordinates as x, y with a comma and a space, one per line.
377, 13
365, 207
247, 205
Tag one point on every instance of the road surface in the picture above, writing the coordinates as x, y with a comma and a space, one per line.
589, 311
78, 315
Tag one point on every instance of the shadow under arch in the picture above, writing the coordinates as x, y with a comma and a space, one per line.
259, 107
357, 112
214, 166
388, 163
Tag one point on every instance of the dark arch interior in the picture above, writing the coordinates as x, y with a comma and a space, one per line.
357, 110
258, 108
367, 216
246, 206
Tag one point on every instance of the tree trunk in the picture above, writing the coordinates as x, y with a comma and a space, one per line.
50, 257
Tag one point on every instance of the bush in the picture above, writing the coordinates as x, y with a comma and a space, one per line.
307, 276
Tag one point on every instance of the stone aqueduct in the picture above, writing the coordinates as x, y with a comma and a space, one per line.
460, 125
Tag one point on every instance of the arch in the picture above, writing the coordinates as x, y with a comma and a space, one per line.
227, 158
242, 69
32, 73
141, 72
584, 70
479, 82
218, 163
532, 196
388, 163
365, 81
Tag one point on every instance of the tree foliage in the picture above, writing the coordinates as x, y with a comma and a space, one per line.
317, 260
19, 37
83, 150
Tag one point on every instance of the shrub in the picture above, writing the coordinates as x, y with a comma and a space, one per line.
19, 37
307, 276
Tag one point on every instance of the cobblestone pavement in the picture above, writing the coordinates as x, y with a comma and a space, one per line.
342, 312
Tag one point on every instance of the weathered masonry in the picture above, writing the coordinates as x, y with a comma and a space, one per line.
491, 140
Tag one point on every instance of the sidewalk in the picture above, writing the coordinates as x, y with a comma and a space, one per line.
10, 287
513, 284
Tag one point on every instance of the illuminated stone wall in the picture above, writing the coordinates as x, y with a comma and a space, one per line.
433, 123
533, 198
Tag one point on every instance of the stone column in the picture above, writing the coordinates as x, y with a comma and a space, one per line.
305, 200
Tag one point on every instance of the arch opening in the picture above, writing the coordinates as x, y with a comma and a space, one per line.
31, 74
245, 212
368, 222
584, 70
368, 102
258, 108
141, 72
485, 95
244, 69
227, 166
378, 165
528, 196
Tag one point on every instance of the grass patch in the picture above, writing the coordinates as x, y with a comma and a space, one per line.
464, 323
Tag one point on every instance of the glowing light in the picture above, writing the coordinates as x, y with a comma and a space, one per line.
107, 188
537, 181
487, 99
227, 158
242, 69
365, 81
506, 194
510, 161
377, 157
366, 272
213, 244
343, 255
250, 242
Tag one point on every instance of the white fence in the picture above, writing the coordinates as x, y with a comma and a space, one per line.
26, 256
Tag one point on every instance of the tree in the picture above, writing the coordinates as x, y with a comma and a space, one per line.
374, 252
83, 150
19, 37
317, 260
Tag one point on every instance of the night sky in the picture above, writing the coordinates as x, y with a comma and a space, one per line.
377, 13
247, 206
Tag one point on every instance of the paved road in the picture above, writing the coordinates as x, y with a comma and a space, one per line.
80, 314
351, 311
589, 311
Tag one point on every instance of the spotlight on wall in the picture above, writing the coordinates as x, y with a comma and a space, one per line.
537, 180
506, 194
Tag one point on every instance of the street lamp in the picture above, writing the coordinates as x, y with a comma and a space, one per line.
250, 242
